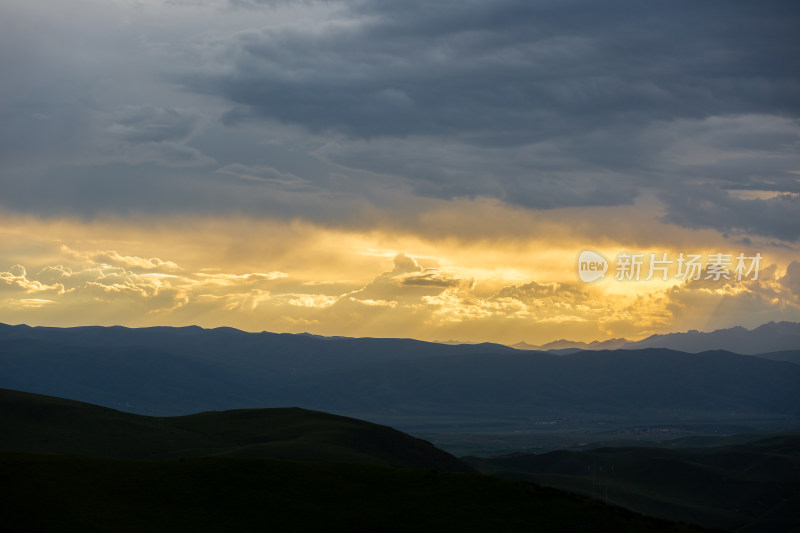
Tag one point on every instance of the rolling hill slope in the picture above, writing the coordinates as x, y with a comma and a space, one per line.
87, 494
743, 487
224, 476
43, 424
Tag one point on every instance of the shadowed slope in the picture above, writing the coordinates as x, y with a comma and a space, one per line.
206, 489
64, 493
35, 423
753, 486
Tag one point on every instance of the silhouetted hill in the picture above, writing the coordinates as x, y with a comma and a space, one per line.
753, 486
232, 344
224, 476
44, 424
647, 383
792, 356
86, 494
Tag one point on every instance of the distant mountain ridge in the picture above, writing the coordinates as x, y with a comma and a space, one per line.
769, 337
562, 344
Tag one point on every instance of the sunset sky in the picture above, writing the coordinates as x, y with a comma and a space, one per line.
425, 169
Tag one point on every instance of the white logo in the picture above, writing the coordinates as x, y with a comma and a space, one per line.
591, 266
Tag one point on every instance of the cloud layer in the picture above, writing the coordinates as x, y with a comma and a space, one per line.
328, 110
412, 168
290, 279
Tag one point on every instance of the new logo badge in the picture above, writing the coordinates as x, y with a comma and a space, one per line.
591, 266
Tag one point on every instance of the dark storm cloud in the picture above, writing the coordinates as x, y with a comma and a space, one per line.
147, 123
514, 71
706, 207
543, 104
329, 110
145, 133
538, 176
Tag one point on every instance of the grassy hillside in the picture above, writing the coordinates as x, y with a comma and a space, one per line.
35, 423
67, 493
745, 487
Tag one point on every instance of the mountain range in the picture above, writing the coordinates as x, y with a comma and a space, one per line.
416, 386
197, 425
572, 346
769, 337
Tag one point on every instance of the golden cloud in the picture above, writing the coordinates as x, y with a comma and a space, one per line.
292, 276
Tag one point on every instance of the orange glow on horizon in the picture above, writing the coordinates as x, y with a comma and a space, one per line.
293, 277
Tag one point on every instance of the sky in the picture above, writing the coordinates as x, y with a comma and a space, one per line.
425, 169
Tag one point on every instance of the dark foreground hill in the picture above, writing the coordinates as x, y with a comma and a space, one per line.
43, 424
743, 487
224, 477
83, 494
